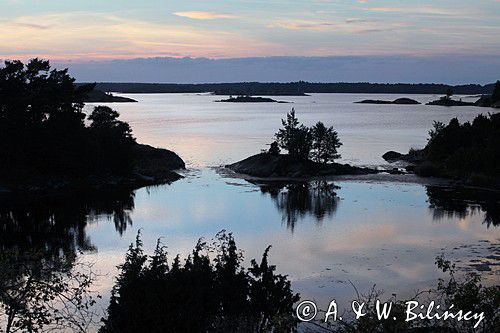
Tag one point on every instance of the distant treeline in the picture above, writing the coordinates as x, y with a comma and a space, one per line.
295, 88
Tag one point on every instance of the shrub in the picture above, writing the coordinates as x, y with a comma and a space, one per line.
201, 295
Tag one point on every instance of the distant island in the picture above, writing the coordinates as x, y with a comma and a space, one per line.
47, 142
98, 96
299, 88
396, 101
250, 99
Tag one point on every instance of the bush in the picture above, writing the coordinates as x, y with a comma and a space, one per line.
201, 295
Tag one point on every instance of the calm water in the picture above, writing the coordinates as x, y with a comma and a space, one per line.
205, 133
323, 234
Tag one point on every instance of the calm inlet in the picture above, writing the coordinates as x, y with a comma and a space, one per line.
325, 234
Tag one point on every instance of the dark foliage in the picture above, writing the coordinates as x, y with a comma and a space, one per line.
274, 148
301, 142
469, 294
210, 292
111, 140
42, 128
294, 137
325, 143
495, 96
468, 151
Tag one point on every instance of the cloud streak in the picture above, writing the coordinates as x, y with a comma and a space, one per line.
78, 35
348, 26
423, 10
303, 25
198, 15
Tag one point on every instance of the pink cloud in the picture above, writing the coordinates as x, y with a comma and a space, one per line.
197, 15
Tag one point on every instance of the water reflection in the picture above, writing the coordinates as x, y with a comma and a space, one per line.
448, 202
55, 225
297, 200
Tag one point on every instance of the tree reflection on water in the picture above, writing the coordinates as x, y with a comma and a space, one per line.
55, 225
43, 285
297, 200
460, 202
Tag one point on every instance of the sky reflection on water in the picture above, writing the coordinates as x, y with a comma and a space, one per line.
323, 234
370, 233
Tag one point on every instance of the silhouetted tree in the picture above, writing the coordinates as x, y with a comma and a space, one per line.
437, 129
449, 93
42, 129
112, 139
274, 148
325, 143
294, 137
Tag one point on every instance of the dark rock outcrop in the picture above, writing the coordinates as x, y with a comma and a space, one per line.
153, 162
403, 100
284, 166
152, 166
392, 156
414, 156
98, 96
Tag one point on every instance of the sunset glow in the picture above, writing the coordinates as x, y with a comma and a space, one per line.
91, 30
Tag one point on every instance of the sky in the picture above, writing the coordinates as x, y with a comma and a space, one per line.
82, 31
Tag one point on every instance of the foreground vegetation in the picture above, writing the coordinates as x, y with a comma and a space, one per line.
209, 291
200, 295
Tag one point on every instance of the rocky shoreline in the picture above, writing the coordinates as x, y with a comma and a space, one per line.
284, 166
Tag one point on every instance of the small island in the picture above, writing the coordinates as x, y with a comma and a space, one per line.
311, 153
403, 100
492, 100
444, 101
98, 96
250, 99
48, 144
265, 165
